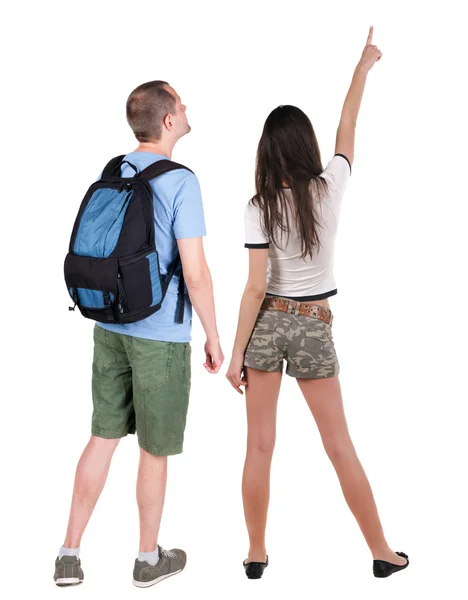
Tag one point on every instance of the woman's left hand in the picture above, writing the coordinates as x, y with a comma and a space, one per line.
235, 372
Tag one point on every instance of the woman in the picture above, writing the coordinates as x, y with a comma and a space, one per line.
290, 231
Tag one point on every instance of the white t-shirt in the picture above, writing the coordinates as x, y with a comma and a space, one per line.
288, 274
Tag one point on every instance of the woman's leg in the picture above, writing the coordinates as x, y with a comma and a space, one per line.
325, 402
262, 392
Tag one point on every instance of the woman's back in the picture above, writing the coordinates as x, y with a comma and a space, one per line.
289, 274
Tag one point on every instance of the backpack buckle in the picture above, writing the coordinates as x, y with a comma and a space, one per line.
125, 186
107, 300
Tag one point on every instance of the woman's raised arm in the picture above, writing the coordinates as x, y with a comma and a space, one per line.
346, 129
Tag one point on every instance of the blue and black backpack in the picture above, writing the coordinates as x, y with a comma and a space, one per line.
112, 267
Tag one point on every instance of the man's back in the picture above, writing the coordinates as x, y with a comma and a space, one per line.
178, 213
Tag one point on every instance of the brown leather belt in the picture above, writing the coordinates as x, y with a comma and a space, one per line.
294, 307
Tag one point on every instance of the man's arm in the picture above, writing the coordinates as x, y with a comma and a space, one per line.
197, 277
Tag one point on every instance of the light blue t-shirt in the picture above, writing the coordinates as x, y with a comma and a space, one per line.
178, 213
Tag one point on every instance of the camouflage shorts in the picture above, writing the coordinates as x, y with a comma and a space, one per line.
305, 343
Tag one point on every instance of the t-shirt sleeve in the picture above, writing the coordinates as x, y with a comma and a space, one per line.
254, 234
338, 172
189, 218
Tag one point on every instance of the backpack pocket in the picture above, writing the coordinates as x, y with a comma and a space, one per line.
139, 283
101, 222
92, 285
92, 299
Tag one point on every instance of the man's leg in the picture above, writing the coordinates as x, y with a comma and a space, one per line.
161, 383
91, 475
113, 418
151, 489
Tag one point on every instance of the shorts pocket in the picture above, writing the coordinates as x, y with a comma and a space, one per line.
151, 363
317, 334
316, 339
104, 356
262, 338
186, 363
262, 335
265, 326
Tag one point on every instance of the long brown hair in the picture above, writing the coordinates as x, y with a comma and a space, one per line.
288, 153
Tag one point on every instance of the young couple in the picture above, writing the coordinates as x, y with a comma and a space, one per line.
141, 371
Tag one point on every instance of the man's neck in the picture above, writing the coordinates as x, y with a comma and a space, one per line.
163, 148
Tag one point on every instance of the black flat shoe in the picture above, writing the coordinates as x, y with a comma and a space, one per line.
254, 570
382, 568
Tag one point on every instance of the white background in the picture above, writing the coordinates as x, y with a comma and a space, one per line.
400, 315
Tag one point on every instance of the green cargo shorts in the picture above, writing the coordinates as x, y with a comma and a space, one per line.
141, 385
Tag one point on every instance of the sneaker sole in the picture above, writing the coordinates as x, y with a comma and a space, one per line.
64, 581
145, 584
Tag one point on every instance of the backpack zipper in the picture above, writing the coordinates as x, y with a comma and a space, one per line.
75, 300
120, 303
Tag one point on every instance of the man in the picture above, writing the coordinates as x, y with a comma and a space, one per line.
141, 371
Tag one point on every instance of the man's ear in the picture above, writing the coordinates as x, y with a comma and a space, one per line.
168, 122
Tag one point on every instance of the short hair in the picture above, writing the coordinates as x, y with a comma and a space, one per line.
147, 107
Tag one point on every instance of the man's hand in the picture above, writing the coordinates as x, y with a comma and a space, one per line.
371, 54
214, 356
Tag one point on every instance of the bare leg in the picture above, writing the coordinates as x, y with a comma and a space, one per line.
91, 475
324, 399
262, 392
151, 490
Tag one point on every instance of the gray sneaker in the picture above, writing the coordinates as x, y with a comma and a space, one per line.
170, 563
68, 571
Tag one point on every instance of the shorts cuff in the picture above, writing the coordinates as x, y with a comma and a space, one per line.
110, 435
264, 369
161, 451
310, 376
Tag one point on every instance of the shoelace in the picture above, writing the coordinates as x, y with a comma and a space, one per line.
168, 553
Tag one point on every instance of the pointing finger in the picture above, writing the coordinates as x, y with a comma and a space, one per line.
369, 37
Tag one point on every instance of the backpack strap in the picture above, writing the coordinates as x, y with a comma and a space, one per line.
180, 300
159, 168
112, 166
173, 267
155, 170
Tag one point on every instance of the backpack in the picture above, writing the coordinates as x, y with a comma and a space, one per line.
112, 267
